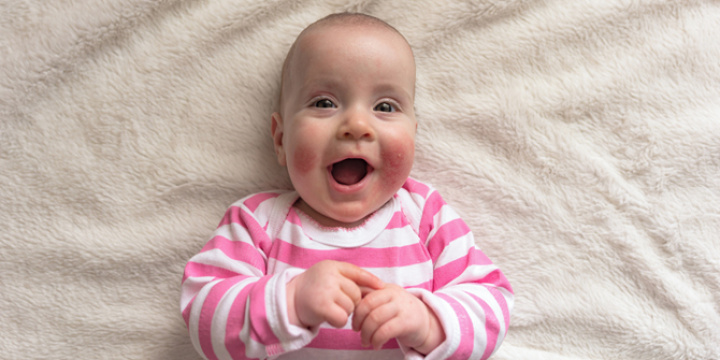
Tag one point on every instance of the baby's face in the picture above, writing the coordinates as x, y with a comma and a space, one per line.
346, 131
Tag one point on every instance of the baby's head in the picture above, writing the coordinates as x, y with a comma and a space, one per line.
346, 124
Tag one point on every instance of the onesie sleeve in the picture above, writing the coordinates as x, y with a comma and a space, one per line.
470, 295
232, 308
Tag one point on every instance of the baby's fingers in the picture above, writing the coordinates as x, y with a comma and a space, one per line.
371, 300
387, 330
344, 300
373, 321
336, 316
360, 276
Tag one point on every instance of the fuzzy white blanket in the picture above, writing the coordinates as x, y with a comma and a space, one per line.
579, 139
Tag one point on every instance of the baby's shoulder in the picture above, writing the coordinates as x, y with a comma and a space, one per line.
262, 205
414, 198
254, 201
415, 193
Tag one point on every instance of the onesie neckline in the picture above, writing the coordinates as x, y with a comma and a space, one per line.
345, 237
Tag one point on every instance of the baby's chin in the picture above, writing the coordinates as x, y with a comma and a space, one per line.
345, 219
344, 216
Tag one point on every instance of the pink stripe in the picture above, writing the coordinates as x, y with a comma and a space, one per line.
193, 269
467, 333
232, 215
237, 250
233, 344
294, 218
432, 206
498, 279
398, 221
426, 285
343, 339
446, 234
416, 187
362, 257
492, 327
503, 305
238, 216
446, 273
260, 329
208, 310
253, 202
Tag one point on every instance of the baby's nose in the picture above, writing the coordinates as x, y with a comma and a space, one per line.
356, 127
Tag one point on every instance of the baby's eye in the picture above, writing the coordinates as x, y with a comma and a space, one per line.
324, 103
384, 107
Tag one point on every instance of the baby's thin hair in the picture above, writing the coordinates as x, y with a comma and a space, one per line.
343, 18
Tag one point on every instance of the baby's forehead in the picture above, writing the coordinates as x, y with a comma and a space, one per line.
380, 31
355, 24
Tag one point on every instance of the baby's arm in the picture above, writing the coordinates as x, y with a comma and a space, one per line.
470, 296
231, 306
470, 299
327, 291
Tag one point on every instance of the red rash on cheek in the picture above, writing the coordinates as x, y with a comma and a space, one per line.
398, 158
303, 160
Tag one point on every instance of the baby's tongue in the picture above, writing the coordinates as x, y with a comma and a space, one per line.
350, 171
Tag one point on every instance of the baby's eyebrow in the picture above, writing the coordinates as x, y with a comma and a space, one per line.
396, 91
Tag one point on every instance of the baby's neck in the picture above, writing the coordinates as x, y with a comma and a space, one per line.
323, 220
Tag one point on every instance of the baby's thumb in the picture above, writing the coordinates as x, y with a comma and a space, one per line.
361, 277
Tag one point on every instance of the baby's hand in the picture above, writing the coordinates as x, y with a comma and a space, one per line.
327, 291
392, 312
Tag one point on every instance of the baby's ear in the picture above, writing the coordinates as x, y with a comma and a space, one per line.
276, 129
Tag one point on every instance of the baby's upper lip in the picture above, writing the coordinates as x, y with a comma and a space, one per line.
351, 156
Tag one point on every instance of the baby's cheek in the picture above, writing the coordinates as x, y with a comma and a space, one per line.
303, 159
398, 157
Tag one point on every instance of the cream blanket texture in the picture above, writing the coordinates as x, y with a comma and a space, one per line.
580, 141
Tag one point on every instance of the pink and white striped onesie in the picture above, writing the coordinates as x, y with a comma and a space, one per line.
233, 291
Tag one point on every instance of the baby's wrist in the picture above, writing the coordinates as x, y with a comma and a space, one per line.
290, 299
435, 336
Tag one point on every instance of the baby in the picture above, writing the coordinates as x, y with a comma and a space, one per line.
359, 261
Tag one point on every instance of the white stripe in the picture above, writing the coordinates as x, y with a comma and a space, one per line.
218, 258
190, 288
472, 273
221, 315
448, 319
276, 266
263, 211
295, 234
477, 318
236, 232
395, 238
253, 349
419, 199
456, 249
484, 294
194, 321
445, 215
410, 275
226, 231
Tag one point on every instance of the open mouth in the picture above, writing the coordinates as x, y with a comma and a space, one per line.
350, 171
